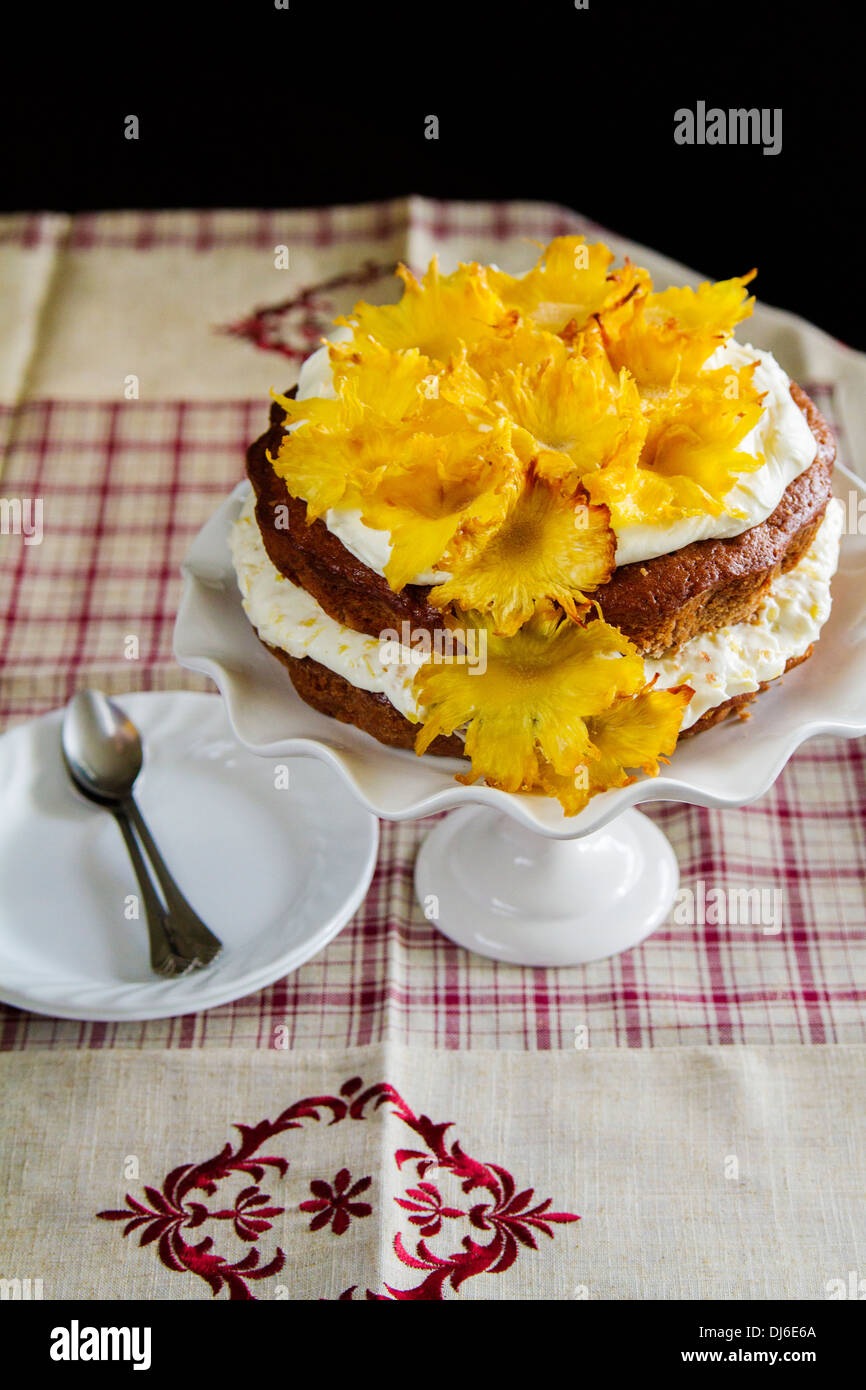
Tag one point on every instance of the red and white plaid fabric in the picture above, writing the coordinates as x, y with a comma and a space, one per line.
126, 486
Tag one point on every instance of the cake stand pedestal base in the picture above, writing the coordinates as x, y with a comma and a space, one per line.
504, 891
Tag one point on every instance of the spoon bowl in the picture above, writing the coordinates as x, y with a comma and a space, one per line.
101, 746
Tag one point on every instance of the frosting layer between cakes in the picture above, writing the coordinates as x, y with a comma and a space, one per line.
736, 660
287, 617
718, 665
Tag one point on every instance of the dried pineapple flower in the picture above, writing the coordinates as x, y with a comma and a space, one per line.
530, 715
690, 458
636, 733
715, 307
396, 384
699, 437
335, 454
437, 315
448, 487
572, 281
545, 547
338, 451
670, 335
575, 413
517, 342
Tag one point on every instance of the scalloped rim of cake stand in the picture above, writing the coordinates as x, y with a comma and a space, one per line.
213, 636
509, 876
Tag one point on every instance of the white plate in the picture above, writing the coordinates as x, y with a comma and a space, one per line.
275, 872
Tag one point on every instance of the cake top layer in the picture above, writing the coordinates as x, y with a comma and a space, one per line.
577, 374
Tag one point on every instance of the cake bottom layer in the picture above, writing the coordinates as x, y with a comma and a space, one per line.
369, 710
341, 672
331, 694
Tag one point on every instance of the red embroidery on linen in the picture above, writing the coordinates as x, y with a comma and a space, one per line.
425, 1201
503, 1213
334, 1205
294, 326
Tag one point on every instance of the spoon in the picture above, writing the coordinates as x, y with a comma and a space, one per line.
103, 755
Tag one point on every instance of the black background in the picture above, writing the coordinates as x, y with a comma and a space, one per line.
248, 106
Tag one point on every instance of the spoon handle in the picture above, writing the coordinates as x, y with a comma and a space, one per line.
162, 957
188, 931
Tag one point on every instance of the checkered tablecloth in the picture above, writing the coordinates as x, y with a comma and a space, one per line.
192, 306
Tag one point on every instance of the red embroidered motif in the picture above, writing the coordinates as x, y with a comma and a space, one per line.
503, 1213
426, 1201
334, 1204
294, 327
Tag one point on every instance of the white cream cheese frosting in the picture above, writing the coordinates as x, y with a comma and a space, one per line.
287, 617
781, 435
737, 659
718, 665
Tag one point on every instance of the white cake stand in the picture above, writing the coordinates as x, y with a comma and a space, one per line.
510, 876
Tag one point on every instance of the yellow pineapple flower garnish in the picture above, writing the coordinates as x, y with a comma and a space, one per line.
529, 715
408, 388
390, 388
635, 733
690, 458
462, 387
436, 315
671, 334
517, 342
632, 494
571, 282
334, 455
450, 487
395, 384
713, 307
424, 489
699, 437
575, 413
339, 449
545, 547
